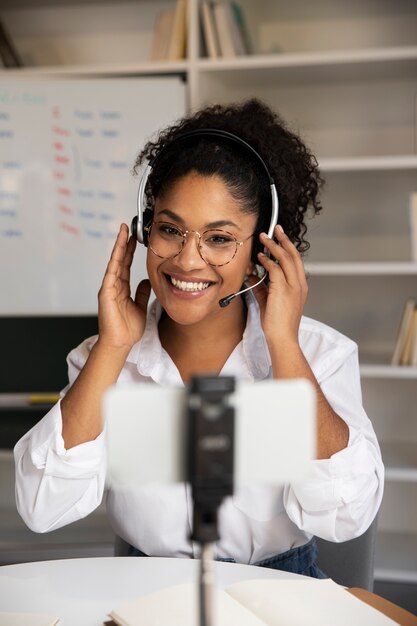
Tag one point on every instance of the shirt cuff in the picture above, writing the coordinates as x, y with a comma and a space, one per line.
47, 450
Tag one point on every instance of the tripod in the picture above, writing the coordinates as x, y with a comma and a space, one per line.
210, 422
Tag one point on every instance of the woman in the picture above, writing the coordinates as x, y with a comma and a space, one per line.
209, 208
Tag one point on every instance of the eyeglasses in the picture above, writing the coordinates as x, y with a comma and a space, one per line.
216, 247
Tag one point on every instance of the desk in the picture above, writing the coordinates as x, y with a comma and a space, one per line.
83, 591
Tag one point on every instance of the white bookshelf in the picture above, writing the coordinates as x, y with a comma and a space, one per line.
396, 557
400, 461
345, 76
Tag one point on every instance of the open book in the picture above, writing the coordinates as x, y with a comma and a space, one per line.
254, 603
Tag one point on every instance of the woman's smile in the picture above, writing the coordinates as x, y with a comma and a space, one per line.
189, 286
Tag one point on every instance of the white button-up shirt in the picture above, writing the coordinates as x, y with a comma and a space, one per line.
337, 501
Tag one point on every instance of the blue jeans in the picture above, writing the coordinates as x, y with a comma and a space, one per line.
301, 560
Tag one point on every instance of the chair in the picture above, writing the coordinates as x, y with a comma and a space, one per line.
350, 563
121, 547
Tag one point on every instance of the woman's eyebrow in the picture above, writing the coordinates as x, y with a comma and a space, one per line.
171, 215
222, 223
216, 224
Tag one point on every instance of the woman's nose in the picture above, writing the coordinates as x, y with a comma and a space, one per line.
190, 255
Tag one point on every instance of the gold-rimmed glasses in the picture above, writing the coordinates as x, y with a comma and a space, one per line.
216, 247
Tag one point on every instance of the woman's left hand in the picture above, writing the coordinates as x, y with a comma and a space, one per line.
282, 301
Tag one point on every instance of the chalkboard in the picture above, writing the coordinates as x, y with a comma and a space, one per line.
67, 147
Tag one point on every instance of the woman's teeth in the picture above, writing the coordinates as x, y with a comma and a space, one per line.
183, 286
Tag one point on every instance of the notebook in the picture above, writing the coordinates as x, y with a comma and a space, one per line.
254, 603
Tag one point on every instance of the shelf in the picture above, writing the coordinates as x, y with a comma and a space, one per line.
333, 65
371, 163
362, 268
393, 62
396, 557
400, 460
28, 400
376, 370
146, 68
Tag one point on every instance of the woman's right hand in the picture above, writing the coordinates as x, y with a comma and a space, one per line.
121, 319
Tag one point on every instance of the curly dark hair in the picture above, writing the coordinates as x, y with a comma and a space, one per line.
290, 163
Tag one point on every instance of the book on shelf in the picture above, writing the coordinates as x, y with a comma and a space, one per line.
412, 355
254, 603
238, 42
240, 20
169, 39
8, 53
209, 29
178, 41
413, 224
224, 31
162, 35
405, 348
224, 28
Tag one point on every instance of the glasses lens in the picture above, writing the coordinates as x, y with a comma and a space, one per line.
218, 247
165, 239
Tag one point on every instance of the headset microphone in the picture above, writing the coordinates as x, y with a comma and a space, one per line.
224, 302
144, 215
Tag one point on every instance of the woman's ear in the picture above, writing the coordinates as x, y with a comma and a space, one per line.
250, 268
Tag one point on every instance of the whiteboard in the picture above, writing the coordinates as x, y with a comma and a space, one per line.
67, 148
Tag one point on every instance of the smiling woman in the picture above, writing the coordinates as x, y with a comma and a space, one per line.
210, 223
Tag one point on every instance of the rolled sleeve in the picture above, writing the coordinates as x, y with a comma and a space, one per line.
55, 486
340, 497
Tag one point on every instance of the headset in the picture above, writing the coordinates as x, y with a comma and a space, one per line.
144, 215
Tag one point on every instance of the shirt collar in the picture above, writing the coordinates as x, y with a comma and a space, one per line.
153, 361
254, 345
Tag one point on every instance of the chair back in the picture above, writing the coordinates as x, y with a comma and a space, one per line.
350, 563
121, 547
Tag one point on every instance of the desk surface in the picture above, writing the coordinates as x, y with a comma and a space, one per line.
83, 591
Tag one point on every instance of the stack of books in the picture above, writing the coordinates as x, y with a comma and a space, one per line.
224, 29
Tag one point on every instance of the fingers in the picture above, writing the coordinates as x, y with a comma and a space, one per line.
285, 260
143, 292
115, 265
260, 291
128, 258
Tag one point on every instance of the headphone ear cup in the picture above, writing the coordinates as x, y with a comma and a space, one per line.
134, 228
147, 220
256, 248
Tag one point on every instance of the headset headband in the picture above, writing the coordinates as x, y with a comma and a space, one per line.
138, 220
214, 132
